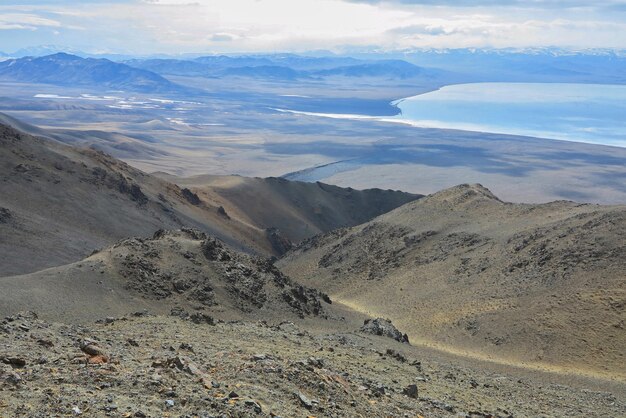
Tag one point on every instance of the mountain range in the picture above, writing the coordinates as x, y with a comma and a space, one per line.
458, 65
70, 70
285, 67
527, 65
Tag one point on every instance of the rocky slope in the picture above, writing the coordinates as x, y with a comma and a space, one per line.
62, 202
536, 284
157, 366
185, 272
297, 209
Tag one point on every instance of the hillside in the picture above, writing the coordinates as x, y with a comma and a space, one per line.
184, 270
70, 70
298, 209
461, 270
142, 365
59, 203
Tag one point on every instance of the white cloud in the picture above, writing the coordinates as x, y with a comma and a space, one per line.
25, 21
272, 25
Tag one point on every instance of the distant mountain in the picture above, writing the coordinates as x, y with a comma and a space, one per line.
43, 50
220, 67
265, 71
307, 63
172, 67
539, 65
387, 68
297, 62
224, 61
66, 69
283, 66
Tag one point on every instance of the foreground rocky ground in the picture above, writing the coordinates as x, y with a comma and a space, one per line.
179, 366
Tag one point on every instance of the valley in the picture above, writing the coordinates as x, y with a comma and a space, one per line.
229, 124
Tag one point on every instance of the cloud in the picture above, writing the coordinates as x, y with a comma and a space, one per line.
528, 4
25, 21
421, 29
150, 26
222, 37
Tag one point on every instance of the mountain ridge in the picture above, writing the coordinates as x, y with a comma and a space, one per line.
66, 201
66, 69
467, 271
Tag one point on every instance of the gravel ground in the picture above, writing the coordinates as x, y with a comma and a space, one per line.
159, 366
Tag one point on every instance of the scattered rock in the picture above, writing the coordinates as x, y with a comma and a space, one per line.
185, 346
201, 318
5, 216
279, 243
16, 362
384, 328
92, 349
96, 355
306, 402
9, 375
191, 197
318, 363
411, 391
254, 405
222, 212
394, 354
45, 343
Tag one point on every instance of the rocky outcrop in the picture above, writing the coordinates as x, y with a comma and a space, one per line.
191, 197
384, 328
189, 265
280, 243
5, 216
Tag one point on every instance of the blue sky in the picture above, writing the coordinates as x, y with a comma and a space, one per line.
173, 26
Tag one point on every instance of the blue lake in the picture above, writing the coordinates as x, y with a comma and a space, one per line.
591, 113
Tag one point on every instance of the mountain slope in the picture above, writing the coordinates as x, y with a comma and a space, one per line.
538, 284
64, 202
61, 203
70, 70
184, 269
298, 209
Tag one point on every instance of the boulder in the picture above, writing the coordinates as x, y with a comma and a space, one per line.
384, 328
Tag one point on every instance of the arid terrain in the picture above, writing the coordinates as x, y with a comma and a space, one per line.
129, 294
60, 203
465, 271
154, 366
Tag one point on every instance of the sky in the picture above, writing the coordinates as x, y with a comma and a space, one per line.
222, 26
